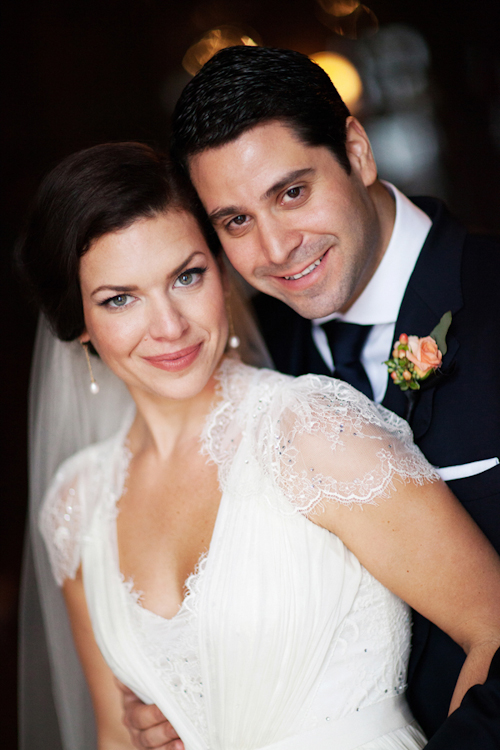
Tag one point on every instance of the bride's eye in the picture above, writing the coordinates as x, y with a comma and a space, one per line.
120, 300
189, 277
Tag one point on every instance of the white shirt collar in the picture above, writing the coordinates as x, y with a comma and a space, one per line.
381, 299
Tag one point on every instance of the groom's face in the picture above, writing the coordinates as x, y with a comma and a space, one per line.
290, 218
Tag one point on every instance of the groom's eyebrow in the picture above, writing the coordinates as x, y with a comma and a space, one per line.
286, 180
283, 182
223, 213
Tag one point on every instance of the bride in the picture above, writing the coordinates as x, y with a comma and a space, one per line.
238, 552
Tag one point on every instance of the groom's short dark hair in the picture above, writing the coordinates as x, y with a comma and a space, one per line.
241, 87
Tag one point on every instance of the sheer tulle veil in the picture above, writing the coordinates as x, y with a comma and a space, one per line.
64, 417
55, 707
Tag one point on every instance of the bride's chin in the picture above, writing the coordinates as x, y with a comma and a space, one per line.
184, 387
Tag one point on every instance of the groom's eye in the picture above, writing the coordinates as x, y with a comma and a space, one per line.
293, 193
237, 225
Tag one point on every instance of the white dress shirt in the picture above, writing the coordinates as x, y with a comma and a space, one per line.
379, 303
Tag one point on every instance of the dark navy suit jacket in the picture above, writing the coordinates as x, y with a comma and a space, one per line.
456, 419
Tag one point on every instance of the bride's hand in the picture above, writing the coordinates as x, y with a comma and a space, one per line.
147, 726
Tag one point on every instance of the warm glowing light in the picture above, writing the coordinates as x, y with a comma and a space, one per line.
348, 18
343, 74
213, 41
339, 8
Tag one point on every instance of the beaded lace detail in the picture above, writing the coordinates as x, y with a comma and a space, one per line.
171, 646
61, 523
223, 428
94, 475
373, 642
323, 441
319, 438
377, 618
63, 515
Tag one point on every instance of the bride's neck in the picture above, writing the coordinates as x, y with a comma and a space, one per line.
161, 425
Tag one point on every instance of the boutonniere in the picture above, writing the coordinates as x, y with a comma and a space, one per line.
415, 358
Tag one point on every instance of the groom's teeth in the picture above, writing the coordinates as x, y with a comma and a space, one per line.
306, 271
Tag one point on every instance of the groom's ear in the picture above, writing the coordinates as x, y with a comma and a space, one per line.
359, 152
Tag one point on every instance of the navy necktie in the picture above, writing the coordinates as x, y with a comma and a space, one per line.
346, 341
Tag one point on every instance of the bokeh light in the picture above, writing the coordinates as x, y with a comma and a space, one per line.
343, 74
348, 18
339, 8
213, 41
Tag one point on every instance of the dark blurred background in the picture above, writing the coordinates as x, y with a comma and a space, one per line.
80, 72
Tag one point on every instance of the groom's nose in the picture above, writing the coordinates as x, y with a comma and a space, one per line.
277, 240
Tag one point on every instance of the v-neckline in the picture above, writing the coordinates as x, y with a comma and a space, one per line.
127, 583
190, 588
218, 413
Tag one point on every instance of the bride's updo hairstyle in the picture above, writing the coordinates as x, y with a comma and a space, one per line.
89, 194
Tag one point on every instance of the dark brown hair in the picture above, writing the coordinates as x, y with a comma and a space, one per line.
89, 194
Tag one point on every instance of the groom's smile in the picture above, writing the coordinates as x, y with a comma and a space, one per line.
298, 277
307, 271
290, 218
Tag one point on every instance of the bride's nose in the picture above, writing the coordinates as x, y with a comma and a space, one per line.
166, 321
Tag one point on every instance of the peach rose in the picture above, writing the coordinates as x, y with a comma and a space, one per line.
424, 354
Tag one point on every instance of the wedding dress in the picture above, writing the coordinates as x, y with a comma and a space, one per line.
283, 640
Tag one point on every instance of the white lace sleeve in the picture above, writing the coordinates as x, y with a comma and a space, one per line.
62, 521
325, 441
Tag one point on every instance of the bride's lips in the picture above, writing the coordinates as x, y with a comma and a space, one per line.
175, 361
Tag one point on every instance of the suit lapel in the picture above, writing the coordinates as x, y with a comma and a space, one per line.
433, 289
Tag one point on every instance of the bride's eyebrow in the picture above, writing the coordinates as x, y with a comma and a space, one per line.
184, 263
111, 288
123, 289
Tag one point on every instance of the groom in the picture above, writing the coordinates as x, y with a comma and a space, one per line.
346, 264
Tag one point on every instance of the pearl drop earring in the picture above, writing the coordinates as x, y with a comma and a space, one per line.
233, 340
94, 388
